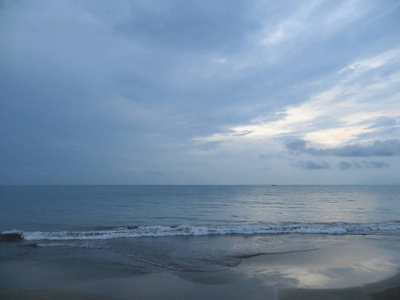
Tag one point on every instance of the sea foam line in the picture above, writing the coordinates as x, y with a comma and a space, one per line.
186, 230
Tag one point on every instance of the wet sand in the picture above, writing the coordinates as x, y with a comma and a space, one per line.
388, 289
21, 294
356, 272
163, 286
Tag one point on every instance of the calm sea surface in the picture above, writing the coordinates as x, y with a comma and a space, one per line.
196, 227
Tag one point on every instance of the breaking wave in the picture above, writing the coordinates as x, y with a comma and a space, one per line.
186, 230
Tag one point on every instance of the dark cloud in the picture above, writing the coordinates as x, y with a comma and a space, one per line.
297, 145
311, 165
378, 148
344, 165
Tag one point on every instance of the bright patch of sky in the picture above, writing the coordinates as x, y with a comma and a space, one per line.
363, 94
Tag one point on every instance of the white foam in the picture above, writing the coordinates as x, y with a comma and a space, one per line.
186, 230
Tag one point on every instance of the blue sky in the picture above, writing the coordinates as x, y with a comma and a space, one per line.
200, 92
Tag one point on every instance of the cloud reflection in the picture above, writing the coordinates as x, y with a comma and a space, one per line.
333, 268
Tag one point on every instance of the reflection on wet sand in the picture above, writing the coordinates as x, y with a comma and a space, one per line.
388, 289
333, 268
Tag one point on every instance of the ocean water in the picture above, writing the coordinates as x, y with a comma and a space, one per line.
190, 228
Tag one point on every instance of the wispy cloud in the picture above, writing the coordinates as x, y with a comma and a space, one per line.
363, 94
300, 23
345, 165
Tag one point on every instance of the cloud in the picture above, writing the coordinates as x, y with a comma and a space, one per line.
268, 156
188, 25
378, 148
311, 165
202, 86
375, 164
298, 145
385, 122
344, 165
358, 101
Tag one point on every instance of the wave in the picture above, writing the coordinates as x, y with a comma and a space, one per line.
187, 230
11, 236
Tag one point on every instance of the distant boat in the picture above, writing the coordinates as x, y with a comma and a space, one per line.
273, 184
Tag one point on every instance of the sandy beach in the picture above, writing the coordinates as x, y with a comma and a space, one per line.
343, 272
168, 286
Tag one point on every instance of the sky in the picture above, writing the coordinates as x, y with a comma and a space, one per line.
199, 92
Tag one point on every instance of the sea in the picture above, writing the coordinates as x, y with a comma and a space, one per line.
210, 228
